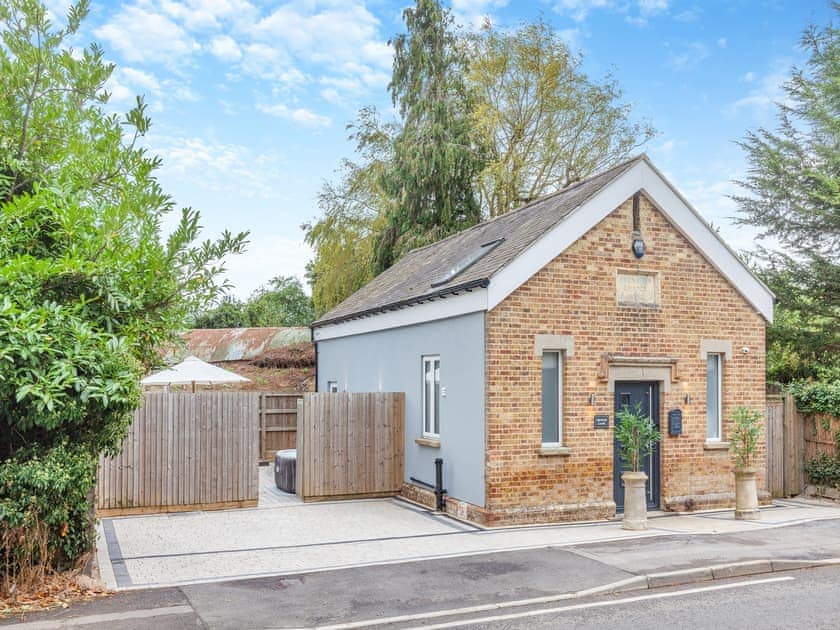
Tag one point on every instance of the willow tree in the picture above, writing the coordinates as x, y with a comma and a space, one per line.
353, 210
544, 123
434, 161
793, 197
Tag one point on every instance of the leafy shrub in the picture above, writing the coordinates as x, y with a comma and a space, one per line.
817, 396
45, 514
636, 435
743, 441
824, 471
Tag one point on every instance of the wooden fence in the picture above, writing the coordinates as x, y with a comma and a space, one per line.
785, 447
820, 432
794, 438
278, 423
350, 445
185, 452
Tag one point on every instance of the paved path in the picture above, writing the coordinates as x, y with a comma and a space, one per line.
140, 552
461, 589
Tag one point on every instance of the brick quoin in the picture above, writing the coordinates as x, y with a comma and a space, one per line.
575, 295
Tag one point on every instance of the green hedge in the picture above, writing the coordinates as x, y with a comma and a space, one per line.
52, 489
817, 397
824, 471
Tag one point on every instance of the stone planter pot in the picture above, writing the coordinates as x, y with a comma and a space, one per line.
635, 501
746, 495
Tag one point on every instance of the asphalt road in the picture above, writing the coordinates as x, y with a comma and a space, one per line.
796, 599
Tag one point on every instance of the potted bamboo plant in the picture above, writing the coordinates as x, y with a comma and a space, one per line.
637, 437
743, 444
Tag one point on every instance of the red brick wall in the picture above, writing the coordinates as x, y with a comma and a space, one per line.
576, 295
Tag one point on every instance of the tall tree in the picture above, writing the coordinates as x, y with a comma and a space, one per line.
353, 213
90, 287
545, 124
793, 197
435, 163
281, 303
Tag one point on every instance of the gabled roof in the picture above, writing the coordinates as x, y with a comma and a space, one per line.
410, 279
533, 236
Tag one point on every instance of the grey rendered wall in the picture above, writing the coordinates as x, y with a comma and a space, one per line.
390, 360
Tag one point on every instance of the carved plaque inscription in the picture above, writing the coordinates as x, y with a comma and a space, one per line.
636, 288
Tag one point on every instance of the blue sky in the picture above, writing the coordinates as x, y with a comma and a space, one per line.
249, 99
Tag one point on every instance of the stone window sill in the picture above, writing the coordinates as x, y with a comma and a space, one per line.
716, 446
430, 442
555, 451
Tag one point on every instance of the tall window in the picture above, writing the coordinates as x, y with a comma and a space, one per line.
552, 398
713, 396
431, 396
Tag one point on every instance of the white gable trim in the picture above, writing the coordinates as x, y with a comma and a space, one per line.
440, 308
642, 176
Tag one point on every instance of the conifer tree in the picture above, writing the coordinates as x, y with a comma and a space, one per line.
434, 164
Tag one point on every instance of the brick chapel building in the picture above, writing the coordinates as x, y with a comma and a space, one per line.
516, 340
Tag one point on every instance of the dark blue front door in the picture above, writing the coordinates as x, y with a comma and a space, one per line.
627, 395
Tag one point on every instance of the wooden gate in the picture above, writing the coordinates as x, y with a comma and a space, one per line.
350, 445
185, 452
785, 447
278, 423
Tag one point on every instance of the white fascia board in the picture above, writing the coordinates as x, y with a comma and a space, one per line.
685, 219
440, 308
706, 241
564, 234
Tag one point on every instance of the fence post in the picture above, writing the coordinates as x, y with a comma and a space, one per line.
300, 445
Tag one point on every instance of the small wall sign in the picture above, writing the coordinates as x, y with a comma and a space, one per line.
675, 422
602, 421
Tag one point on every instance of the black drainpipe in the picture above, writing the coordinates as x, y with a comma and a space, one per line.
315, 345
440, 492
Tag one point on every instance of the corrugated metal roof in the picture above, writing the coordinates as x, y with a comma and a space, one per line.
239, 344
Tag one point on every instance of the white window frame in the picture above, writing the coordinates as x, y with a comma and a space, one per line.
561, 363
332, 387
428, 431
719, 356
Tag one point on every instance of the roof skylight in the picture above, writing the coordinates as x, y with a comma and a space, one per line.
468, 261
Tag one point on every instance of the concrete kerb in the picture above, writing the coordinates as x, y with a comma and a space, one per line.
635, 583
731, 570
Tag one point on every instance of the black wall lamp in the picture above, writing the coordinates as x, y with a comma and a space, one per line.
638, 243
638, 246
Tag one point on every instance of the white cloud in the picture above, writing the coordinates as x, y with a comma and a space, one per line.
689, 57
722, 42
335, 32
571, 37
689, 15
712, 199
126, 83
141, 79
473, 13
218, 167
579, 9
267, 255
140, 35
225, 48
768, 90
666, 147
299, 115
653, 6
207, 14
